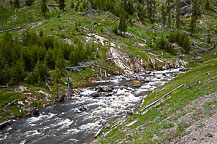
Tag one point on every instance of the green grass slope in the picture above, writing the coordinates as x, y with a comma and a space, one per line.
168, 120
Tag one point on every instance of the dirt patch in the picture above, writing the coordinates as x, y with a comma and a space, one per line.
201, 132
199, 121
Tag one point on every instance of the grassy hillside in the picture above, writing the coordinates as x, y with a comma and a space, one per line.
167, 121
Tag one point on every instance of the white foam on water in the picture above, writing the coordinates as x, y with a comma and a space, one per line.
4, 136
65, 123
32, 133
73, 140
32, 120
23, 142
90, 127
87, 92
72, 131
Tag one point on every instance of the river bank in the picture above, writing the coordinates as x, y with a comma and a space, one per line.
82, 116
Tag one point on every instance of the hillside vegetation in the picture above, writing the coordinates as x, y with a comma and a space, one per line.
55, 45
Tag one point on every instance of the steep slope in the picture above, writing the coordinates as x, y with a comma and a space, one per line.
177, 118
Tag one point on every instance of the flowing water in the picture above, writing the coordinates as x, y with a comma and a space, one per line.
78, 119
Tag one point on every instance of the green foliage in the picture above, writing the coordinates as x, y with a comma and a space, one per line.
207, 5
39, 74
122, 25
141, 11
36, 53
29, 2
129, 8
164, 45
182, 40
61, 4
151, 10
163, 13
195, 14
81, 53
178, 14
17, 3
44, 8
72, 4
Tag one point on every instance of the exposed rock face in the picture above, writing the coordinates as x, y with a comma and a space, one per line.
137, 64
120, 59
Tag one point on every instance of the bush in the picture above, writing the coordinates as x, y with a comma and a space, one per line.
182, 40
166, 46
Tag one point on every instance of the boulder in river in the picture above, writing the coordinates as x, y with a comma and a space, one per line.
62, 98
5, 124
33, 111
95, 94
82, 108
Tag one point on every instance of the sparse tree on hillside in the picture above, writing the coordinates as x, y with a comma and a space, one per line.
151, 8
122, 25
194, 16
61, 4
178, 14
163, 13
44, 8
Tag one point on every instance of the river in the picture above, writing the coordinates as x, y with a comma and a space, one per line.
78, 119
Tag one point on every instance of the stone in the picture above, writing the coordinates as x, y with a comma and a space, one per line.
62, 98
5, 124
33, 111
82, 108
95, 94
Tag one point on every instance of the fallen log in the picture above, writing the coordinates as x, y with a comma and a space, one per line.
155, 102
6, 86
48, 86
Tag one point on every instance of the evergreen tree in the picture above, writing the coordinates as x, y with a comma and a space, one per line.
44, 8
18, 72
207, 5
129, 8
169, 19
194, 16
17, 3
61, 4
178, 13
122, 25
151, 9
55, 77
29, 2
72, 4
39, 73
163, 13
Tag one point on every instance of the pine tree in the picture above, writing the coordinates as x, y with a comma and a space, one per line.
17, 3
61, 4
18, 72
207, 5
169, 19
72, 4
163, 13
178, 13
151, 9
122, 25
194, 17
44, 8
29, 2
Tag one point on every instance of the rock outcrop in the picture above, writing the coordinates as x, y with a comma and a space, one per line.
137, 64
